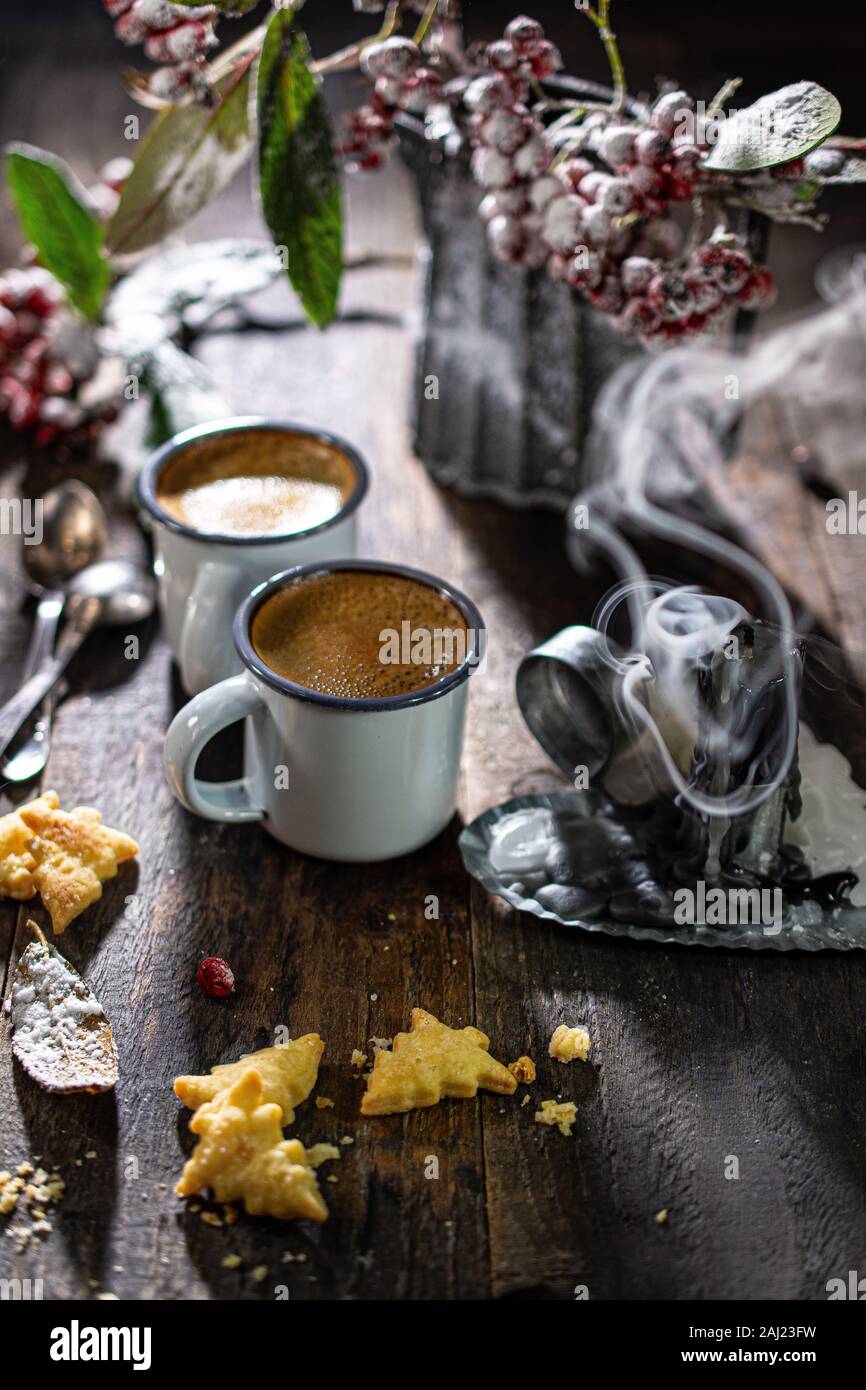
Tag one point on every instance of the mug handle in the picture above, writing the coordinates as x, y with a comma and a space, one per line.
204, 616
194, 727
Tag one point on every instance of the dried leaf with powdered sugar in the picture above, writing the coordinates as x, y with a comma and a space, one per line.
60, 1033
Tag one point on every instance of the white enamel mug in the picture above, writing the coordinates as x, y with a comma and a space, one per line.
202, 577
346, 779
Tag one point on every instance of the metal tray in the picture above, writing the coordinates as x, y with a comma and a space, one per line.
843, 929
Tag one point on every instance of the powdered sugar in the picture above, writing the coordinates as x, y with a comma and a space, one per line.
60, 1033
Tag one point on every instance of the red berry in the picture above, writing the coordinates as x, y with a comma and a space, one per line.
501, 55
609, 297
506, 237
758, 292
525, 35
493, 90
390, 91
637, 273
584, 270
617, 146
640, 316
679, 190
546, 60
189, 39
650, 146
505, 130
23, 407
533, 157
574, 170
694, 325
591, 185
735, 271
491, 169
215, 977
706, 293
671, 295
420, 90
394, 57
130, 29
710, 259
8, 326
670, 112
170, 83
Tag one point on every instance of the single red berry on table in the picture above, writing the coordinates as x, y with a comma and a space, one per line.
215, 977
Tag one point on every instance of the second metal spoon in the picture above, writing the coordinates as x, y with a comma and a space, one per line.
112, 592
73, 535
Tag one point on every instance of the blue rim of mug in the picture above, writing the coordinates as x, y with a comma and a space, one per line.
248, 655
147, 480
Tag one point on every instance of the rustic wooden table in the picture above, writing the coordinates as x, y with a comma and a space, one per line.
698, 1056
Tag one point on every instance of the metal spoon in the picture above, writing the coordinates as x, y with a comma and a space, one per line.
113, 593
74, 531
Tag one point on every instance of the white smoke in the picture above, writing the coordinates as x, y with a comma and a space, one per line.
664, 433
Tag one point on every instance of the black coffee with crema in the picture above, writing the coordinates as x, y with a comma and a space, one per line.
360, 634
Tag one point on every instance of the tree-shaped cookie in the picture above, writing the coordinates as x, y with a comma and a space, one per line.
73, 854
242, 1157
288, 1075
431, 1062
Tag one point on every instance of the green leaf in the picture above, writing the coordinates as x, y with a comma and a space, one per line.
55, 217
188, 156
782, 126
298, 181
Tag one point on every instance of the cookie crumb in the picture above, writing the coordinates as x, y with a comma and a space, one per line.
560, 1113
570, 1043
318, 1154
30, 1192
523, 1070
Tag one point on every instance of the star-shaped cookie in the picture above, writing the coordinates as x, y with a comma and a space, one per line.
242, 1157
16, 863
73, 855
288, 1075
431, 1062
